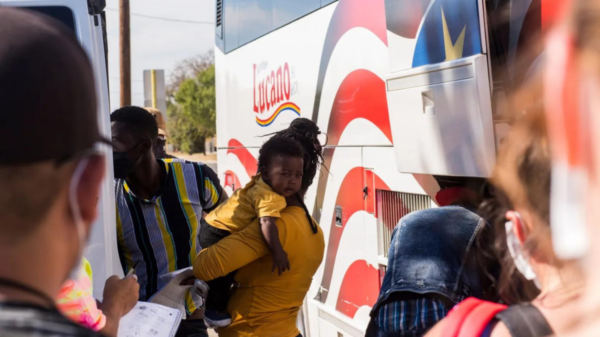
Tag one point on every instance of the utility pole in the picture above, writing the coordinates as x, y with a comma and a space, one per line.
125, 56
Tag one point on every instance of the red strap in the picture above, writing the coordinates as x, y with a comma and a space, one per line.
475, 324
456, 317
470, 318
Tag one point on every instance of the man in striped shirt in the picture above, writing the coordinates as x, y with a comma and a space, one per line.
159, 206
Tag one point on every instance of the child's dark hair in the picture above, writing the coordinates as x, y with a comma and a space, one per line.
281, 145
278, 146
306, 132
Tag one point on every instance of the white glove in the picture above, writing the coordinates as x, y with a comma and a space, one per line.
173, 293
200, 293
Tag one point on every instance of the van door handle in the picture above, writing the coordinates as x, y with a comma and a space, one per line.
428, 103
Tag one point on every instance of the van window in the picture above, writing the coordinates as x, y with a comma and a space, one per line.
60, 13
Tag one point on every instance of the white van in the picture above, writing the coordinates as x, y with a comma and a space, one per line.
86, 19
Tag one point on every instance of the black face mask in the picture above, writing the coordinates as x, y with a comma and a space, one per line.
160, 151
123, 165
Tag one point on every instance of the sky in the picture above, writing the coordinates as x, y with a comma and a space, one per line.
157, 44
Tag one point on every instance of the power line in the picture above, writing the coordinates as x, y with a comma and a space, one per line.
133, 93
118, 78
165, 19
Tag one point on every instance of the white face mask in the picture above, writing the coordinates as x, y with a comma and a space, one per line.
76, 214
519, 254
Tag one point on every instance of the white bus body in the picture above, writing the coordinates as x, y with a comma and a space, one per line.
404, 90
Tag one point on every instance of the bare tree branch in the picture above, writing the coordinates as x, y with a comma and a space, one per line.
189, 68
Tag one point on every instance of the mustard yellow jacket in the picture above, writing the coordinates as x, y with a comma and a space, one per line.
265, 304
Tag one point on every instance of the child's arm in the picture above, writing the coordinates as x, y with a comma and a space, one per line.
271, 235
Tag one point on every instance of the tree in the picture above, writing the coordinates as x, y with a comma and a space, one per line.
191, 105
196, 97
183, 133
188, 68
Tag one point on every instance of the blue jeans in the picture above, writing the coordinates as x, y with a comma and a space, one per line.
432, 252
219, 293
431, 255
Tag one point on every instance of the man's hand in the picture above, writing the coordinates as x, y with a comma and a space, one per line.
280, 262
120, 296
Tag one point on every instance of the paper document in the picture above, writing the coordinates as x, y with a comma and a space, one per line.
150, 319
173, 293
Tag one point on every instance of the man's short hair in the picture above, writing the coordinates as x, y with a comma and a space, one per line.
28, 193
140, 122
49, 115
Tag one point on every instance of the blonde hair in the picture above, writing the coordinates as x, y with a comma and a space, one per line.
523, 167
160, 120
585, 25
522, 180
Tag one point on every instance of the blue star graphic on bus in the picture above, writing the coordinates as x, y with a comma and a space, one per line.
450, 30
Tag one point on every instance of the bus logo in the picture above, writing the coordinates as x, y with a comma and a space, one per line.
272, 93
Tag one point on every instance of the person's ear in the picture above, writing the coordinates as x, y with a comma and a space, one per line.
518, 225
88, 190
147, 145
263, 172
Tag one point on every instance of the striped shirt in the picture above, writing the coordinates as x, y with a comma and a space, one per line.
24, 320
160, 235
411, 317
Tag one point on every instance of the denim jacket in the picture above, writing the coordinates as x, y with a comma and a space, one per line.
432, 252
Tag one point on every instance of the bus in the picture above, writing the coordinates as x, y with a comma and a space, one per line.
409, 94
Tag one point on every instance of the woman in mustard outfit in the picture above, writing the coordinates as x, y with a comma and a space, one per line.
265, 303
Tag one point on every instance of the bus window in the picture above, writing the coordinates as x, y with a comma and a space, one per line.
255, 18
246, 20
60, 13
286, 11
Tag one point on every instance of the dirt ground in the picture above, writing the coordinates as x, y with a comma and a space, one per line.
210, 160
199, 157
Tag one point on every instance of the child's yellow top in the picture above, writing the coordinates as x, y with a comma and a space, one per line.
255, 200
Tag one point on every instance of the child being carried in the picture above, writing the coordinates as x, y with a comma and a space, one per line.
280, 165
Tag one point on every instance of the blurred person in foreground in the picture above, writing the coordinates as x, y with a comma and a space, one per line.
436, 259
51, 177
524, 243
572, 91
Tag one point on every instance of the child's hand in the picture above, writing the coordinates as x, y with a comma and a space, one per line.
280, 262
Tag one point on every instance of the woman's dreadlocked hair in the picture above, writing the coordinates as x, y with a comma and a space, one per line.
306, 132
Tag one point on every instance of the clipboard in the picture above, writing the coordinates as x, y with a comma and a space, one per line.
150, 319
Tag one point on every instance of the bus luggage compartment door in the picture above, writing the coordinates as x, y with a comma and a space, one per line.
441, 118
